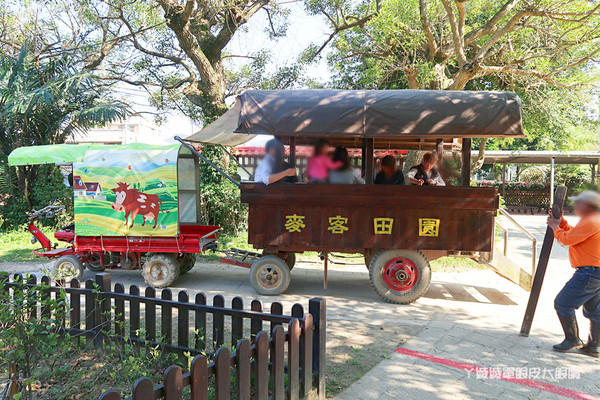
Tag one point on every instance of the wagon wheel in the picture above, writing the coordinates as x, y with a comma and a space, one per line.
290, 260
400, 276
129, 261
186, 262
270, 275
95, 265
160, 270
67, 268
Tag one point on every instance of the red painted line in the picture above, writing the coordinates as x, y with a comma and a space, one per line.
547, 387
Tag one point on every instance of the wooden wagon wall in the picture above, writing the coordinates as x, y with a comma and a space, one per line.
352, 218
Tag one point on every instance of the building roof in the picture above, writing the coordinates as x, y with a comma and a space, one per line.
78, 183
92, 186
540, 157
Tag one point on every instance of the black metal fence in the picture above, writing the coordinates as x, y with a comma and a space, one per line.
98, 311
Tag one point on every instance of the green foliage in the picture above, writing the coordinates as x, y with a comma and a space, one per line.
26, 342
221, 206
43, 102
545, 57
219, 198
48, 186
530, 186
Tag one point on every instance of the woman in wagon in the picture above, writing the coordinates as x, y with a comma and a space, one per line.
389, 173
344, 174
320, 164
272, 168
426, 173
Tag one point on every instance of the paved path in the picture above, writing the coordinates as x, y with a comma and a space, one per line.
460, 339
466, 320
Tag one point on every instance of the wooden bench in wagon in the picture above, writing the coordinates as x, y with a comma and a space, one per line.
399, 229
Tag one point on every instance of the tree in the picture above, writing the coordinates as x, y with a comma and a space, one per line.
543, 50
175, 50
44, 102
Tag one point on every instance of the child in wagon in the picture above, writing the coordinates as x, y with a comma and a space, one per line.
319, 165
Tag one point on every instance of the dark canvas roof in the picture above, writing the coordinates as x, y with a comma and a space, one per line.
380, 114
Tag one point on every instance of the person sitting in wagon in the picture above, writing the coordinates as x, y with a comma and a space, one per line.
272, 168
389, 173
426, 173
319, 165
345, 174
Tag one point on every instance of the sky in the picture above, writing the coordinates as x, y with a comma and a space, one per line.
302, 30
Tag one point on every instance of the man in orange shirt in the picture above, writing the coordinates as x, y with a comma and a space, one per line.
583, 288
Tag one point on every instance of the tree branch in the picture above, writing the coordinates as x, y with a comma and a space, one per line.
427, 28
457, 38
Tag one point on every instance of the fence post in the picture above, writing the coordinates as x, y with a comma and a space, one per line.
101, 307
199, 378
277, 363
173, 383
110, 395
222, 374
316, 307
294, 359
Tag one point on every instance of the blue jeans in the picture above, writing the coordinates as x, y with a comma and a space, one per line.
583, 289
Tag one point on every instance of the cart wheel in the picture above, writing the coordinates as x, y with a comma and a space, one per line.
68, 268
128, 261
270, 275
400, 276
291, 260
160, 270
95, 264
186, 262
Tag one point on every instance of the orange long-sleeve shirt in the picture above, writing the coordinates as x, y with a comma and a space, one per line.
583, 240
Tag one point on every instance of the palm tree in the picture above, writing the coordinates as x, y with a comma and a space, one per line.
44, 102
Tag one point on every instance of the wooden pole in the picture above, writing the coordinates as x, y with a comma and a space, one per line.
292, 157
325, 265
466, 162
439, 148
552, 170
503, 180
540, 272
363, 161
368, 157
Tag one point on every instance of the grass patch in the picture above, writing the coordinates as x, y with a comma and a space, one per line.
83, 373
455, 264
15, 245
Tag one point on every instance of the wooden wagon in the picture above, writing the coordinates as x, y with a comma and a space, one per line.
399, 229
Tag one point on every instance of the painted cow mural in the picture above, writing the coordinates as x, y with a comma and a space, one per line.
134, 203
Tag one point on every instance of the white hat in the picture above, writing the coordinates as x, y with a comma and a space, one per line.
588, 196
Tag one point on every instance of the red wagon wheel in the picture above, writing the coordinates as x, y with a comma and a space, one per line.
400, 276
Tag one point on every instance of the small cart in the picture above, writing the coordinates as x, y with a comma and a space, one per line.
136, 207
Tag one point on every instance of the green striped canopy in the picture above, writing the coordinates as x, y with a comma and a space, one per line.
68, 153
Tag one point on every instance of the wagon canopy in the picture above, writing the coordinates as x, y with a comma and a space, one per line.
68, 153
385, 115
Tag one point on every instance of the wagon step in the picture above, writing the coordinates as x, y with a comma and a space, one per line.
241, 258
508, 269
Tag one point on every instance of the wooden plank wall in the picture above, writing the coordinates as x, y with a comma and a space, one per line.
466, 217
